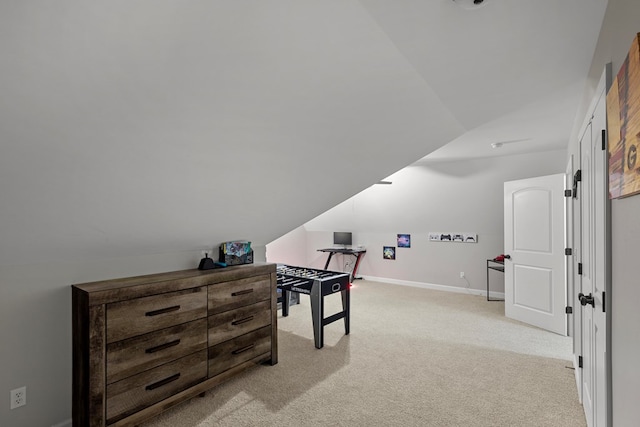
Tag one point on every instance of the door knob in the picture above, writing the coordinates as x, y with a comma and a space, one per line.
507, 257
586, 299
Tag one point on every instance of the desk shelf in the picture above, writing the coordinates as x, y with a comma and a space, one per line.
496, 266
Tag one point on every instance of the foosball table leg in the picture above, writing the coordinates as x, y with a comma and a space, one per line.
285, 302
317, 315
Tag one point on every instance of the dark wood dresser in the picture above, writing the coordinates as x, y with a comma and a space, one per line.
144, 344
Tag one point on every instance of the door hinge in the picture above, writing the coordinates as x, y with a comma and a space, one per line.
580, 268
579, 361
604, 302
568, 193
568, 310
568, 251
604, 139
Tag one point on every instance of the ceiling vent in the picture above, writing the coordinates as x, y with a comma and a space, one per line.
501, 144
470, 4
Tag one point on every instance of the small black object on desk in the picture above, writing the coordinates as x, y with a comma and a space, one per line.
355, 252
207, 263
492, 264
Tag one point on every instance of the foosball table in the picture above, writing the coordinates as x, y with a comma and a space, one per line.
317, 284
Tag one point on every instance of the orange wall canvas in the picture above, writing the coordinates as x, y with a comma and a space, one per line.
623, 124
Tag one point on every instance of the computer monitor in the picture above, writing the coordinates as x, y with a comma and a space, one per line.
342, 238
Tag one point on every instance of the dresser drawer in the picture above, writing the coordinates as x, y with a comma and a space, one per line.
233, 352
134, 355
135, 393
233, 323
141, 315
238, 293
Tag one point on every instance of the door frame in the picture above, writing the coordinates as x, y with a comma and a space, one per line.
574, 321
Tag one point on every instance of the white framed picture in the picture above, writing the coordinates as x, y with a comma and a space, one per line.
470, 237
453, 236
434, 237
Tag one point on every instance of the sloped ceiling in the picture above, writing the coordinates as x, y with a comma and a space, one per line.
130, 128
509, 70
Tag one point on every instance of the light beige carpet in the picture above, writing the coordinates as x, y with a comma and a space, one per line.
415, 357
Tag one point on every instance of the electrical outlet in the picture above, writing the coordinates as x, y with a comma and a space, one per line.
462, 274
18, 397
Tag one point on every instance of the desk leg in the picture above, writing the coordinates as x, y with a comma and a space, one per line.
326, 264
487, 280
317, 315
355, 267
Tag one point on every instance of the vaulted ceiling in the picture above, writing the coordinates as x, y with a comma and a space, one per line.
130, 128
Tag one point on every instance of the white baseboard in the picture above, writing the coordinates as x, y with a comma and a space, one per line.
446, 288
65, 423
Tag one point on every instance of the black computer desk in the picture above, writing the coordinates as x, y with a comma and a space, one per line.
358, 253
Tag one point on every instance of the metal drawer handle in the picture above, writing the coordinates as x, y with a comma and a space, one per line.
162, 346
243, 349
162, 311
241, 321
246, 291
163, 382
335, 287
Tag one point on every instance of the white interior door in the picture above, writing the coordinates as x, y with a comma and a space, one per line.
593, 256
594, 252
535, 285
586, 275
600, 273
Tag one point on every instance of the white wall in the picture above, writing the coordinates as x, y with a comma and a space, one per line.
150, 127
619, 28
161, 127
289, 249
464, 196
